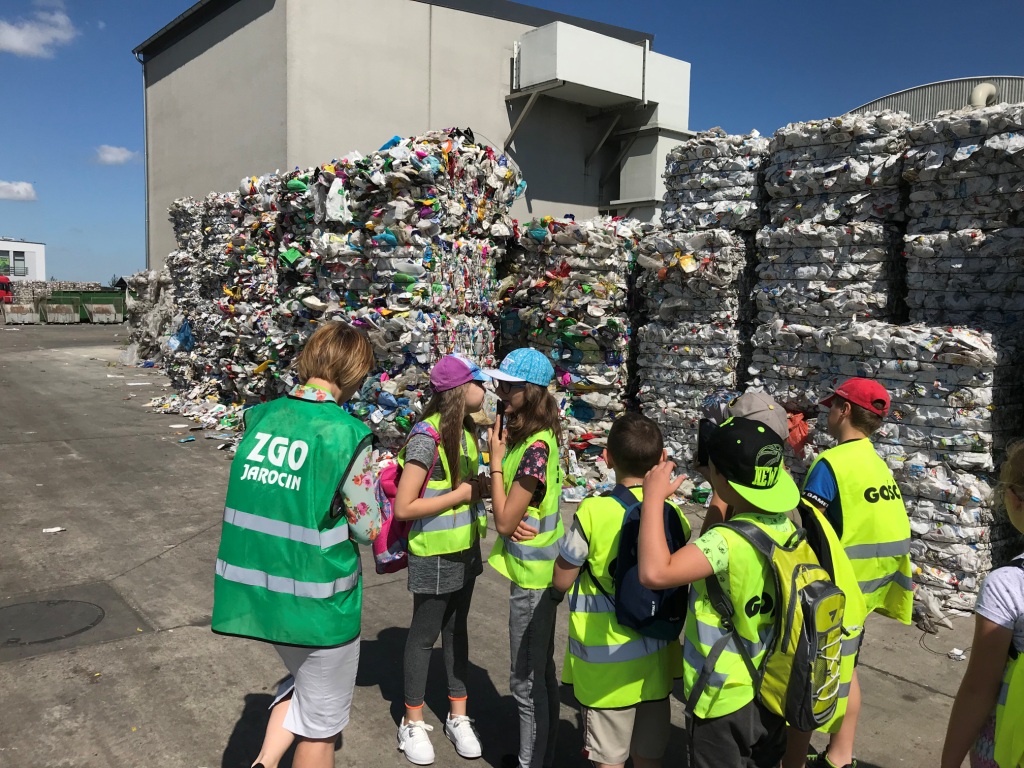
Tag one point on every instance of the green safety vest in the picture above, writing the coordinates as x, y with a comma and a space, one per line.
1009, 737
607, 664
453, 530
751, 588
1009, 740
876, 530
286, 569
530, 564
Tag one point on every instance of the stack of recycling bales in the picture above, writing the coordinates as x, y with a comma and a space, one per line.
711, 181
694, 278
403, 243
953, 400
565, 293
965, 269
965, 241
185, 266
692, 285
828, 256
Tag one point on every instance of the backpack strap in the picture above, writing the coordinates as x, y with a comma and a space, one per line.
423, 428
622, 495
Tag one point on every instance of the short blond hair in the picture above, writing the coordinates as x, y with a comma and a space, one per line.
338, 353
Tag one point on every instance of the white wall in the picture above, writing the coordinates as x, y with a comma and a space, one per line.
275, 84
215, 111
35, 259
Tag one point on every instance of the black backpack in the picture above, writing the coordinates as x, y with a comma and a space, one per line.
657, 613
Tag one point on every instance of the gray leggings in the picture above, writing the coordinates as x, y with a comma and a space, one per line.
433, 615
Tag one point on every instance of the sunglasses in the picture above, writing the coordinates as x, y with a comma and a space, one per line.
510, 385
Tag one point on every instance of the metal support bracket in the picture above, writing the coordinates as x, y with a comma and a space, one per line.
618, 160
603, 140
522, 116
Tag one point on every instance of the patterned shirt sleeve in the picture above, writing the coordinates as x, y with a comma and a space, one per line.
359, 496
535, 464
715, 549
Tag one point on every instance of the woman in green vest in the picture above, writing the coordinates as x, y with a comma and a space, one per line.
526, 486
441, 491
988, 714
300, 495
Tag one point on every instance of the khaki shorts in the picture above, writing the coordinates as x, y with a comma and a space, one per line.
611, 735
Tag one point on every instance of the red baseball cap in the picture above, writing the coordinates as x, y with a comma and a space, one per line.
867, 393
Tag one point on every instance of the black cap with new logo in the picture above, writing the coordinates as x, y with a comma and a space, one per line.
749, 455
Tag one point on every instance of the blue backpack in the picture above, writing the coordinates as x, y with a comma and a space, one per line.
657, 613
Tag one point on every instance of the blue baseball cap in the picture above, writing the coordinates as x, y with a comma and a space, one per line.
524, 365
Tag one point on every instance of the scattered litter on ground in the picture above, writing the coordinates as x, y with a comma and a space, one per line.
56, 529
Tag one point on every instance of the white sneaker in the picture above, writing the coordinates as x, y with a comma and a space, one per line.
463, 735
414, 741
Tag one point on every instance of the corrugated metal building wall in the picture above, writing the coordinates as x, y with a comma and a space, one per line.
925, 101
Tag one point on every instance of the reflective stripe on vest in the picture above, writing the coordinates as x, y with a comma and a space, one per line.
876, 529
283, 530
314, 589
590, 603
523, 551
869, 551
693, 658
609, 654
709, 635
870, 587
530, 564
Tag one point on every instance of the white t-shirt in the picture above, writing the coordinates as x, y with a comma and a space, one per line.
1001, 600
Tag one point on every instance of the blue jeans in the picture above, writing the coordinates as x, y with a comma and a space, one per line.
532, 679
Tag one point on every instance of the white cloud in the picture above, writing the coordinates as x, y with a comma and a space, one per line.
17, 190
38, 36
101, 25
108, 155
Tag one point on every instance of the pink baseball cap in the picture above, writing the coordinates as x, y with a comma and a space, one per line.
453, 371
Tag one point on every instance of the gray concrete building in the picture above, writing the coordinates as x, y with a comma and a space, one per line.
923, 102
241, 87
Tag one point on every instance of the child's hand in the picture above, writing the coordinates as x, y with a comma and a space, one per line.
496, 443
523, 532
470, 491
658, 482
485, 486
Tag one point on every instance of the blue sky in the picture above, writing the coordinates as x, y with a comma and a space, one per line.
72, 140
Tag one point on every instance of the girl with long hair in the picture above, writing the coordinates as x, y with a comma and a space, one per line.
988, 714
441, 492
526, 486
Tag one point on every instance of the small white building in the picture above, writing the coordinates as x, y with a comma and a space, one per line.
21, 260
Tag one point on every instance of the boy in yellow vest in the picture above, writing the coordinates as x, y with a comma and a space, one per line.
621, 678
730, 728
855, 490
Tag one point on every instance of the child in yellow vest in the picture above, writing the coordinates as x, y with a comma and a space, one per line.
444, 550
729, 727
988, 713
620, 677
526, 486
855, 490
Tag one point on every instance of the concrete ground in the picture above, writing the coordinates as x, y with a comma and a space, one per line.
150, 685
